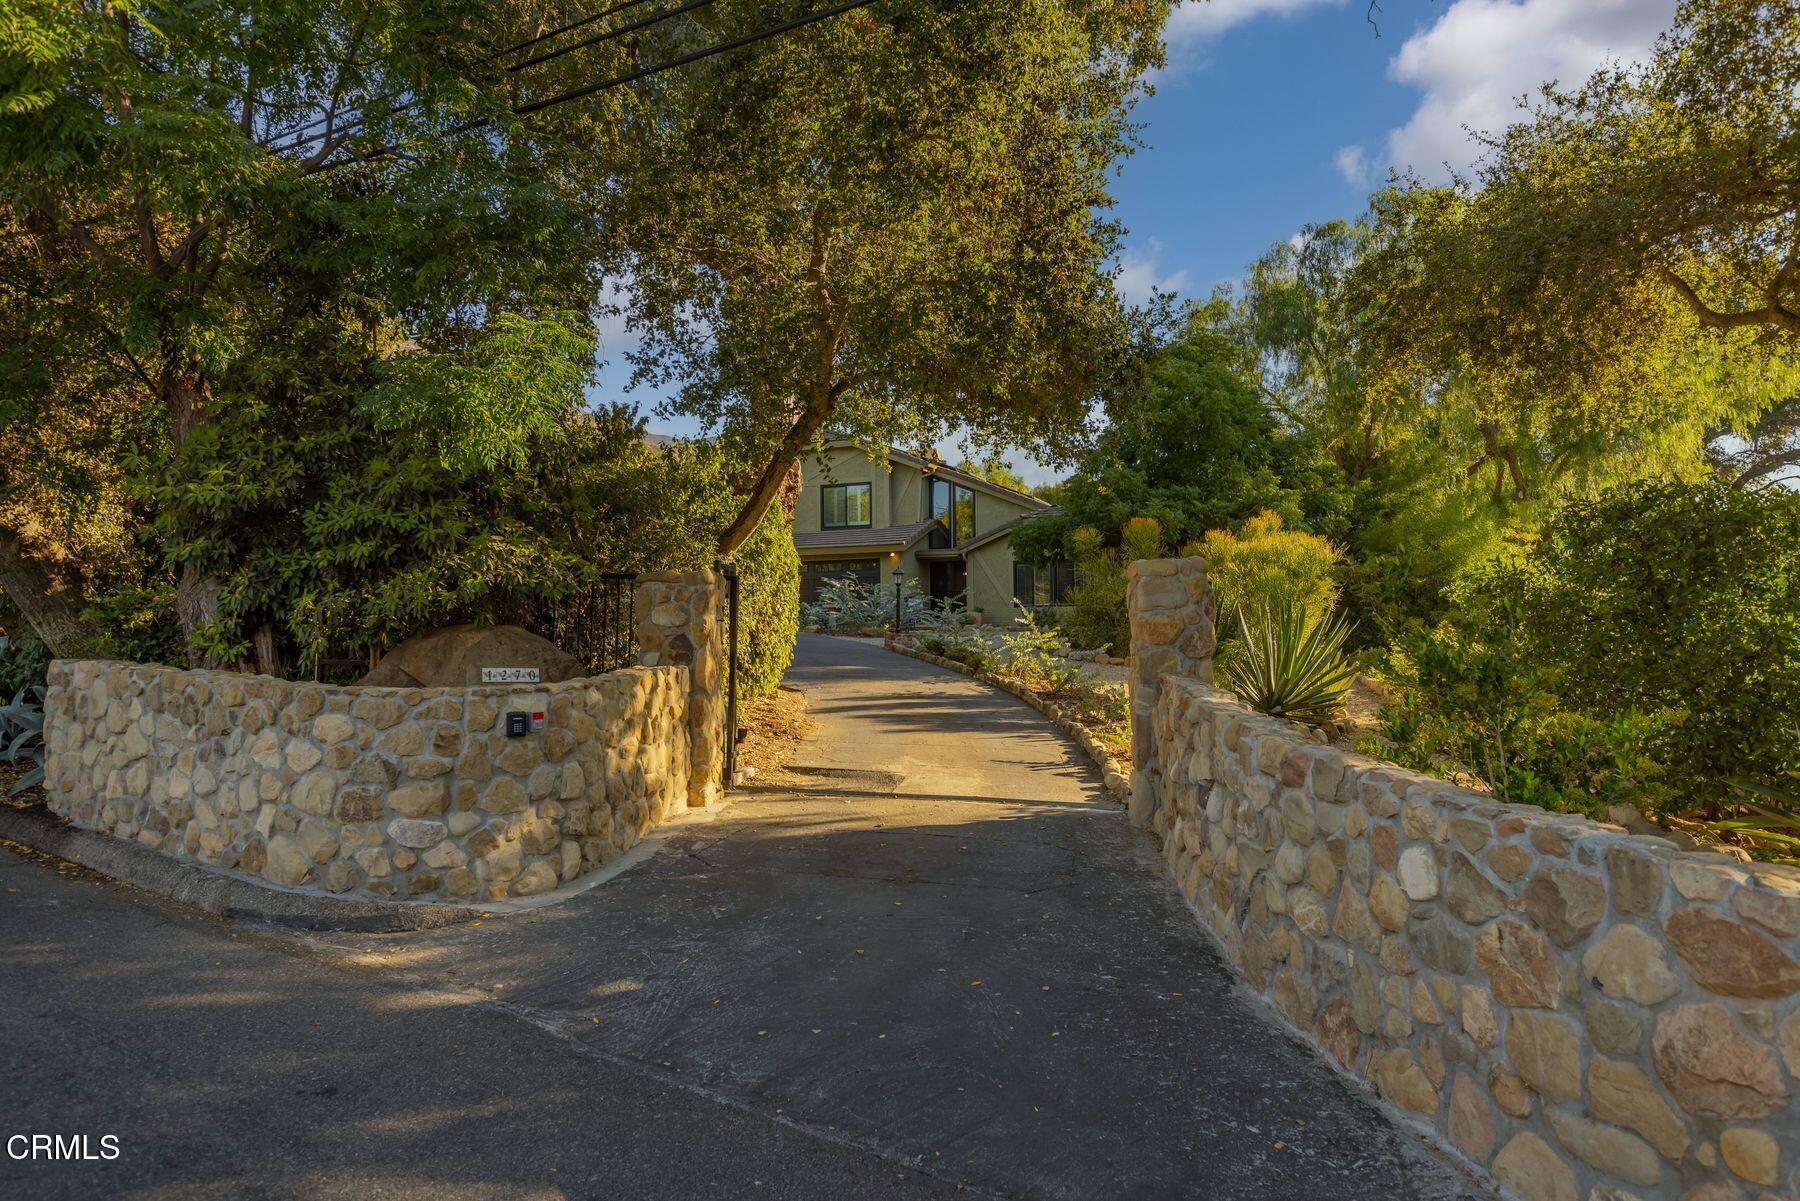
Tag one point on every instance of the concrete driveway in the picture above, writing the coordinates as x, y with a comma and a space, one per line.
936, 960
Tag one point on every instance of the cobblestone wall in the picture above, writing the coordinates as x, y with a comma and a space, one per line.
681, 621
1170, 603
1582, 1012
380, 792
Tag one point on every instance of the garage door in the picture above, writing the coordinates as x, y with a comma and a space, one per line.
813, 575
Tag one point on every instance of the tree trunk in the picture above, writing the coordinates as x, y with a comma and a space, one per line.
775, 473
47, 597
197, 589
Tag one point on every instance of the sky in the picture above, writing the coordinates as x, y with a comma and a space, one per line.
1274, 114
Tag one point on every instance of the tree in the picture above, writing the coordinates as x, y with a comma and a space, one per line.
1763, 454
995, 469
1193, 447
173, 178
890, 225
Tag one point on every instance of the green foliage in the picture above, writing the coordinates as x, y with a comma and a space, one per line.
849, 604
1644, 649
1466, 697
1767, 818
23, 662
1268, 566
1194, 448
768, 604
22, 734
1291, 663
1096, 616
1682, 599
1038, 656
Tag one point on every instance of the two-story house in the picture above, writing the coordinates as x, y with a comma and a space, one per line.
872, 517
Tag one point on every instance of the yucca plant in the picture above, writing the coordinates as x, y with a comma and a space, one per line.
1288, 665
22, 735
1770, 821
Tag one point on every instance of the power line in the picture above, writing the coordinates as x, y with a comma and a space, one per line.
581, 93
356, 120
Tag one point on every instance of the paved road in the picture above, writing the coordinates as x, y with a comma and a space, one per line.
936, 962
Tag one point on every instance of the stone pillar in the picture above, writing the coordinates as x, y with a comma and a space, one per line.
1170, 603
681, 621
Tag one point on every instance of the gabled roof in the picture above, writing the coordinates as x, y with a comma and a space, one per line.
944, 471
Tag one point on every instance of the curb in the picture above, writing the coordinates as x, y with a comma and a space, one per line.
232, 896
1117, 781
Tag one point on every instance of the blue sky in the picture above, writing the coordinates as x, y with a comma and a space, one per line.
1277, 113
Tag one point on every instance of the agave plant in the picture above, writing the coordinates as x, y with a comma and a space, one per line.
22, 735
1289, 665
1771, 819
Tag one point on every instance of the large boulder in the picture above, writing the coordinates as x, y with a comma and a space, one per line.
454, 656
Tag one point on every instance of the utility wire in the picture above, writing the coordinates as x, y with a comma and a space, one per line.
537, 106
356, 119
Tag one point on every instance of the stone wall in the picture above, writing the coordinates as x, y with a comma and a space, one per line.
377, 792
1582, 1012
1170, 604
681, 621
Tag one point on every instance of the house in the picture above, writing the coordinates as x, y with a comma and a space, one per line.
873, 516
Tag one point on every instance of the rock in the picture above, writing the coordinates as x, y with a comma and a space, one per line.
1713, 1069
1620, 1093
1509, 861
409, 832
1629, 962
1418, 873
1387, 902
1546, 1050
1510, 1092
286, 864
404, 740
445, 855
419, 800
1615, 1029
540, 877
1637, 881
1442, 944
1519, 963
1468, 894
302, 756
341, 876
1478, 1017
1400, 1080
1751, 1154
1528, 1167
1566, 904
460, 882
1337, 1033
332, 728
1471, 1119
1790, 1042
358, 803
1730, 958
1700, 880
1385, 843
313, 792
1606, 1148
504, 795
1775, 911
454, 657
1354, 923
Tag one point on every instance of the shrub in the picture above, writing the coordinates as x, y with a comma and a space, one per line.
1681, 600
1268, 566
1038, 656
849, 604
22, 734
768, 604
1097, 616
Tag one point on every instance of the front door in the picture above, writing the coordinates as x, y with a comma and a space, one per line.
949, 583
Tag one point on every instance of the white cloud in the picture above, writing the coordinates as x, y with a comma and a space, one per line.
1353, 164
1195, 21
1141, 272
1481, 56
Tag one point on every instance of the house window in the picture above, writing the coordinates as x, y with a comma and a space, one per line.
844, 506
1035, 587
814, 576
953, 508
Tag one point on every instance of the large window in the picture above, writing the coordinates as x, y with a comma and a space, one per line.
816, 574
1035, 587
953, 508
844, 506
